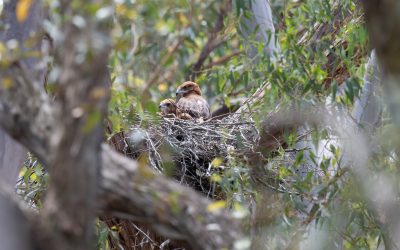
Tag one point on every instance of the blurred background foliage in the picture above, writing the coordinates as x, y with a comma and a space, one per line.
160, 44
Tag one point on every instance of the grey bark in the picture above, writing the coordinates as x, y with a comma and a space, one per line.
14, 232
12, 154
73, 159
368, 107
259, 27
12, 157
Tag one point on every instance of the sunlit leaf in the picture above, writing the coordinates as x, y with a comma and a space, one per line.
7, 83
216, 162
216, 206
22, 9
162, 87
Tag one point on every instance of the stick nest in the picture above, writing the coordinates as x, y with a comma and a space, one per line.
190, 145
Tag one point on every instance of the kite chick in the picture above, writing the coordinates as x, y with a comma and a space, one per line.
168, 108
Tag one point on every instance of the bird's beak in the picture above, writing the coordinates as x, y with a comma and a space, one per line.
180, 92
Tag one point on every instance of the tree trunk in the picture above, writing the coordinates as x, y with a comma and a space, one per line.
259, 27
383, 22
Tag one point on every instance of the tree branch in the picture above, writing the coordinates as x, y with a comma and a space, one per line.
222, 60
12, 154
136, 192
211, 43
66, 136
122, 183
25, 111
81, 105
383, 21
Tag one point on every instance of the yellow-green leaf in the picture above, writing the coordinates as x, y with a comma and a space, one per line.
7, 83
215, 206
215, 178
216, 162
22, 10
163, 87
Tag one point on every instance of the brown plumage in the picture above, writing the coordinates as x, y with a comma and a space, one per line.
168, 108
190, 104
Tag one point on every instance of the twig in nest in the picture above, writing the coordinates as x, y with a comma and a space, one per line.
194, 145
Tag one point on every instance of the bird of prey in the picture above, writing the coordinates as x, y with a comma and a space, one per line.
168, 108
190, 104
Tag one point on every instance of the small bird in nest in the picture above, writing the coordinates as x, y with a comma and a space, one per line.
168, 108
190, 104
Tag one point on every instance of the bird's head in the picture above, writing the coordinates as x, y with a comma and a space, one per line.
187, 88
167, 106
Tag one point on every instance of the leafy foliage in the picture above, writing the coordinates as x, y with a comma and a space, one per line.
156, 44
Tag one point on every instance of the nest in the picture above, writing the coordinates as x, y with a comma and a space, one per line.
190, 146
